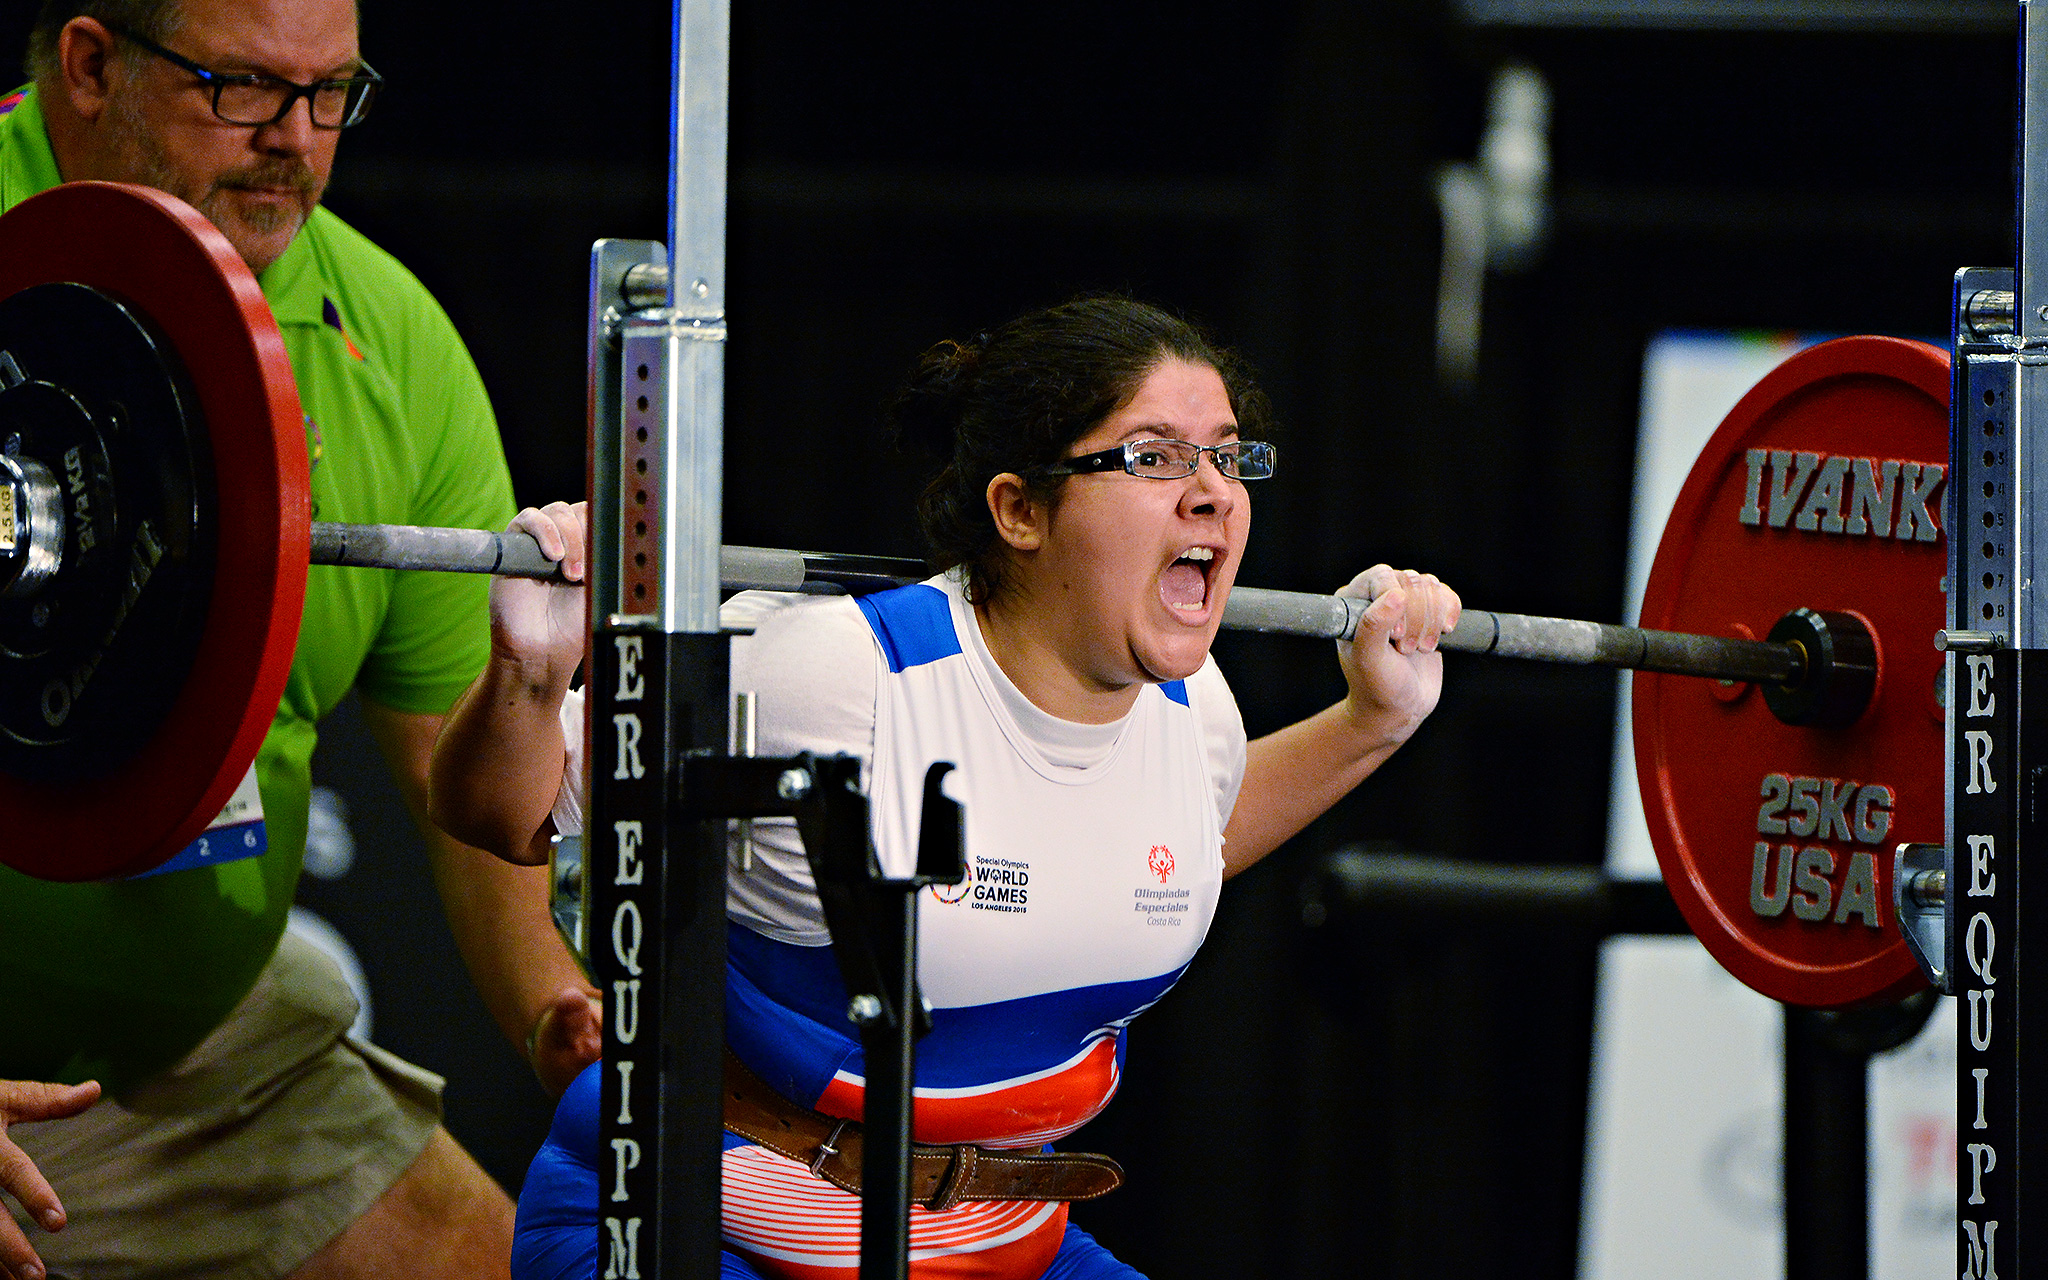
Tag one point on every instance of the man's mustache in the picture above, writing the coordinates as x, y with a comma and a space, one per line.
287, 175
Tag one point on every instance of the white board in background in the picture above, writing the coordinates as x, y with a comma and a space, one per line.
1682, 1124
1682, 1149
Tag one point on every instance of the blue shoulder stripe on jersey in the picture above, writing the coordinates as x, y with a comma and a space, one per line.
1177, 690
914, 624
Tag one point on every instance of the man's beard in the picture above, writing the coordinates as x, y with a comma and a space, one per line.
212, 199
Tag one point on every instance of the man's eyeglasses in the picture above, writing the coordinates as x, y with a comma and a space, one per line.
1172, 460
262, 100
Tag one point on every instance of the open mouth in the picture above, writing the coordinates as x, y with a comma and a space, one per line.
1184, 586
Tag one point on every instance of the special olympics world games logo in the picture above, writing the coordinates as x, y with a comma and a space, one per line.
1161, 862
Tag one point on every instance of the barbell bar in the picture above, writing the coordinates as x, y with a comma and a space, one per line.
1299, 613
515, 554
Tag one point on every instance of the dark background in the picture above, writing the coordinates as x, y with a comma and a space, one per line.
1344, 1101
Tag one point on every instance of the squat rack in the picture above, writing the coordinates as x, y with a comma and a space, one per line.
669, 770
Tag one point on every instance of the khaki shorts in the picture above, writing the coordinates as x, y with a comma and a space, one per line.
248, 1156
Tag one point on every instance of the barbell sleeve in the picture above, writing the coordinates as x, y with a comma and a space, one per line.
1603, 644
1509, 635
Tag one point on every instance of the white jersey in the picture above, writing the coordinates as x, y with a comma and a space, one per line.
1094, 859
812, 665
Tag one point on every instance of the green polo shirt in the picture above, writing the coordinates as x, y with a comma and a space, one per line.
116, 980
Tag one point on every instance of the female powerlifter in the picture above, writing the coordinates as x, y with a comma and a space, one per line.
1087, 527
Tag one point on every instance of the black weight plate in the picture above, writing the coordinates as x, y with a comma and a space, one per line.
90, 664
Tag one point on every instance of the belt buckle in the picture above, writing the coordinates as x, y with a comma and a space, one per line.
828, 1148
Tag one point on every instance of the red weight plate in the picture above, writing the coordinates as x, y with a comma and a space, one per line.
1821, 489
155, 253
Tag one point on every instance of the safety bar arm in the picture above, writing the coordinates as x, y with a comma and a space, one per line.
872, 918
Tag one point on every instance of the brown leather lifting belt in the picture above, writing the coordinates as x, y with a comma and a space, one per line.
940, 1177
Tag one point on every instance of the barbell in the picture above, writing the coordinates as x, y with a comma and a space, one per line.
1784, 665
155, 535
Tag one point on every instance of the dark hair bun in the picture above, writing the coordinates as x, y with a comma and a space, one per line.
926, 411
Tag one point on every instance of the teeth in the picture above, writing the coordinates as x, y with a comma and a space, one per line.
1198, 553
